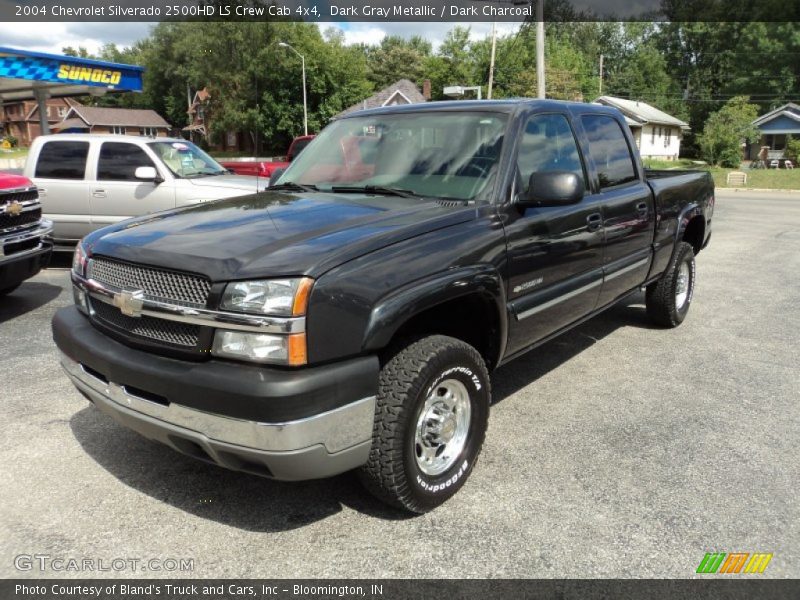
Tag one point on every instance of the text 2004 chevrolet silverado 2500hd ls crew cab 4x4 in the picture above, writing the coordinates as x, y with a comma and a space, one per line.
24, 245
349, 316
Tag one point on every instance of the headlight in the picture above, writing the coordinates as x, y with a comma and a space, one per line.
79, 260
278, 297
261, 347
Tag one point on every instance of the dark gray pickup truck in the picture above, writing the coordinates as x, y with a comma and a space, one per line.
348, 317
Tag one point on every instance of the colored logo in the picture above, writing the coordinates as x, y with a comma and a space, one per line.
734, 562
13, 208
76, 73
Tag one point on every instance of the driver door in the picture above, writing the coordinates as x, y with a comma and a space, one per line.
116, 194
555, 254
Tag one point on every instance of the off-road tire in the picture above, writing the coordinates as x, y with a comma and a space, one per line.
407, 379
660, 298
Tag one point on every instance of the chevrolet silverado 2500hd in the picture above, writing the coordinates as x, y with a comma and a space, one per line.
24, 245
348, 317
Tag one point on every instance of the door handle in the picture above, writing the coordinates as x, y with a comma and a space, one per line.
642, 208
594, 221
99, 193
42, 191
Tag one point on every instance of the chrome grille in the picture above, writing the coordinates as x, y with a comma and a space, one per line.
19, 195
169, 332
29, 217
163, 286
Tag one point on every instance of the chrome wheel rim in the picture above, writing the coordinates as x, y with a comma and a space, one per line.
682, 286
442, 427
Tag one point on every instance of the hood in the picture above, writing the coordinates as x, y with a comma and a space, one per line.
9, 181
231, 182
272, 234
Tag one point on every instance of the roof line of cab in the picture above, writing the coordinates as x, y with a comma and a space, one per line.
506, 105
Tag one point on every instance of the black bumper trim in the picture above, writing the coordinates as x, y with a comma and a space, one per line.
16, 269
237, 390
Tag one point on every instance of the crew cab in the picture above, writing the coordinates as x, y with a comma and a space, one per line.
89, 181
266, 168
349, 316
24, 245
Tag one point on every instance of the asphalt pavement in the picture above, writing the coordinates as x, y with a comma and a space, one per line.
617, 450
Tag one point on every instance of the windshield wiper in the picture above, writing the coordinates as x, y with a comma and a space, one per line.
294, 187
373, 189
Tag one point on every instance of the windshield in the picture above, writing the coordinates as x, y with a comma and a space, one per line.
185, 159
435, 154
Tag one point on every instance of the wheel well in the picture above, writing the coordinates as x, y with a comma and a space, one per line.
693, 234
473, 319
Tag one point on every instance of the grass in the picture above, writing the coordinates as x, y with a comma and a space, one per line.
768, 179
14, 153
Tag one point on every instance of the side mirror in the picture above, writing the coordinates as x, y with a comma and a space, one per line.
148, 174
552, 188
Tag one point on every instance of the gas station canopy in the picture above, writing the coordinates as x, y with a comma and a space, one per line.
26, 75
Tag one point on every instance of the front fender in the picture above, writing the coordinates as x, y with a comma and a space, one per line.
397, 307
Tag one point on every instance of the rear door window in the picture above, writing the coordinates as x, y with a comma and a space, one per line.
119, 161
610, 151
62, 160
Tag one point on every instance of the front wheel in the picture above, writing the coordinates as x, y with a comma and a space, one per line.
668, 299
430, 421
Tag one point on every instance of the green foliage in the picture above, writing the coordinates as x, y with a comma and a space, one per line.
12, 140
793, 149
689, 70
726, 130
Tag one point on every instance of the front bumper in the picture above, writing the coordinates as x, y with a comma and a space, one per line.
18, 265
127, 384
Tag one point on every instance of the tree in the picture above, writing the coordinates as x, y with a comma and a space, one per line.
726, 130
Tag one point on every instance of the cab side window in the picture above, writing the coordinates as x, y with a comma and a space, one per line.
119, 161
610, 151
62, 160
548, 144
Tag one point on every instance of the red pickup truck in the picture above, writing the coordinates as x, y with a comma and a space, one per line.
24, 244
265, 168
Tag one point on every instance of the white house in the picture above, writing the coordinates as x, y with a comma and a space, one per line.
657, 134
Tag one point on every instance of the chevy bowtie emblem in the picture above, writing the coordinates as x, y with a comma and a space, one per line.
13, 208
130, 302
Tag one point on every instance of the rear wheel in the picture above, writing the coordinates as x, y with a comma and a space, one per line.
430, 422
668, 299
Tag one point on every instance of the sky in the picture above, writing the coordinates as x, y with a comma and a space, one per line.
52, 37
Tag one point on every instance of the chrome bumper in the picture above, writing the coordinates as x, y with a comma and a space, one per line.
311, 448
45, 228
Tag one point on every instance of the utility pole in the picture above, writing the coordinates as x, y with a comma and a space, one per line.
491, 60
600, 89
540, 49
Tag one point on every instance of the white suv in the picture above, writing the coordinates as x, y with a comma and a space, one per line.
89, 181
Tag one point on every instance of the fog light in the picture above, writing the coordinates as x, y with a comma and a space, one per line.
261, 347
81, 299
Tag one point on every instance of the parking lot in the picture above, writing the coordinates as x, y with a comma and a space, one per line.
617, 450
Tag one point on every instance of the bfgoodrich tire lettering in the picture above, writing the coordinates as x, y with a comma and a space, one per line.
669, 298
418, 459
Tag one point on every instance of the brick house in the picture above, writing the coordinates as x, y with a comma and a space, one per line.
122, 121
21, 118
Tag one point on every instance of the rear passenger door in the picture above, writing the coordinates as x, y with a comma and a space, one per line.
627, 205
116, 194
60, 175
554, 253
